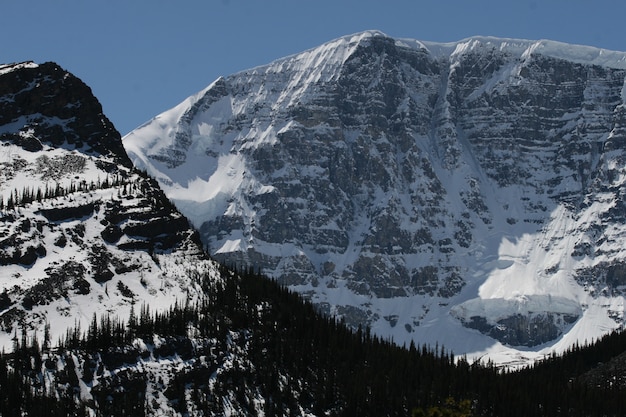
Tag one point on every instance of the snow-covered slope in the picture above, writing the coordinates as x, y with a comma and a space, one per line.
469, 193
81, 231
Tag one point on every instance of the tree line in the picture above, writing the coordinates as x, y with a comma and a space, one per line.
27, 195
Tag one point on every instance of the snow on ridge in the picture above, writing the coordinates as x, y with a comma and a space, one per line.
342, 42
319, 63
314, 65
303, 70
583, 54
580, 54
576, 53
6, 68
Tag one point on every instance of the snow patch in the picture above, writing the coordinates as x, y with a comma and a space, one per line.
495, 309
231, 246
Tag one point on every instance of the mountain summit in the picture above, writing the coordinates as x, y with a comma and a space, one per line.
82, 232
44, 105
467, 193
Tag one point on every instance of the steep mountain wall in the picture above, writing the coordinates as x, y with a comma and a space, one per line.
426, 190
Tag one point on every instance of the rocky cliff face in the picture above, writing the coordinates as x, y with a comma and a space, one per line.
81, 231
415, 187
45, 105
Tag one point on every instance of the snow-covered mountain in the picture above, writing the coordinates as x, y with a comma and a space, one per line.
468, 193
81, 230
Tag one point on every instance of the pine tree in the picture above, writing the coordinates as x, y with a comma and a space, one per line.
132, 323
46, 337
10, 202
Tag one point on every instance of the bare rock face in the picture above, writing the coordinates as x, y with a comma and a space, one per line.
405, 179
46, 105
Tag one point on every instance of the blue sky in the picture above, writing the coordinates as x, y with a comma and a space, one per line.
141, 57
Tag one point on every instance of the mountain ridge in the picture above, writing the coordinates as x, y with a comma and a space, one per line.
412, 192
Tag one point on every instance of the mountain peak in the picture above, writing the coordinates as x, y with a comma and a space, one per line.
48, 106
400, 183
364, 35
81, 231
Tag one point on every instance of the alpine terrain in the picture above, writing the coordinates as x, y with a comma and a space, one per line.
81, 230
469, 194
109, 306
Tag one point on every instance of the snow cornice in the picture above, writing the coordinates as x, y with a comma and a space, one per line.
580, 54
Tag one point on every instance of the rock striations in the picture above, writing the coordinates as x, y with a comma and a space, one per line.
426, 190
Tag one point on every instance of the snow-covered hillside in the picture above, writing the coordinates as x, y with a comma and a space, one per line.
81, 231
469, 193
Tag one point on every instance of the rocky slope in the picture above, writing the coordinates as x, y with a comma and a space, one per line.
81, 231
467, 193
108, 306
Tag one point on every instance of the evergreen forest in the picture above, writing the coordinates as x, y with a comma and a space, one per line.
287, 359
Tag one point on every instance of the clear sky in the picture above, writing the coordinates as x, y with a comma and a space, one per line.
142, 57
